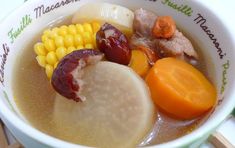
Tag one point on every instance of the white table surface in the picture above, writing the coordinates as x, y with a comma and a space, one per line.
227, 11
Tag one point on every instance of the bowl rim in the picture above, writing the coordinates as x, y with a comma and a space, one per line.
51, 141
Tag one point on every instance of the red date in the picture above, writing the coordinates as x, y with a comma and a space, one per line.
114, 44
67, 77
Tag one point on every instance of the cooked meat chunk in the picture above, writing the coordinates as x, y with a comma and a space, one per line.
143, 22
144, 41
177, 46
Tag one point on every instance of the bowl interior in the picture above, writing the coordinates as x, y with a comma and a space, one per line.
210, 37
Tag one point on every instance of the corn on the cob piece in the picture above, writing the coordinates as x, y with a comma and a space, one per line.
60, 41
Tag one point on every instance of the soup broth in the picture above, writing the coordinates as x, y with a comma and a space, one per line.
36, 99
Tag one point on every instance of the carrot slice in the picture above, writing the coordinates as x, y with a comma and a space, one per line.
152, 57
164, 27
180, 89
139, 62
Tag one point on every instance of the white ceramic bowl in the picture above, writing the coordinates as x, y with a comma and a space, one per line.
200, 23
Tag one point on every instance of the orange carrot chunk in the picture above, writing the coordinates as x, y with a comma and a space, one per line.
180, 89
151, 55
139, 62
164, 27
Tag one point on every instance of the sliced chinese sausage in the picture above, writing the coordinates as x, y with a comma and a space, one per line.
117, 112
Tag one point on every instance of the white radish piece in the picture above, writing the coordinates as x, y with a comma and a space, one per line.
117, 112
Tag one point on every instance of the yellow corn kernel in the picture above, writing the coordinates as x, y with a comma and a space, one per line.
89, 46
50, 45
44, 38
72, 29
61, 52
55, 30
63, 30
39, 49
46, 32
80, 47
49, 70
80, 28
59, 41
78, 40
95, 26
51, 58
53, 35
71, 49
56, 65
87, 27
41, 60
68, 40
86, 37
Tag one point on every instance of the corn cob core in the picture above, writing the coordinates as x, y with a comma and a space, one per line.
58, 42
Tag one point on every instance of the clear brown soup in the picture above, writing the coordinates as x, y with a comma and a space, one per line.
35, 99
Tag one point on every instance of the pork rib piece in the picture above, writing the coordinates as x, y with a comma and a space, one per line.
177, 46
143, 22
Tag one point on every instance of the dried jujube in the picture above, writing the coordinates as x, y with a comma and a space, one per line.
114, 44
67, 77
